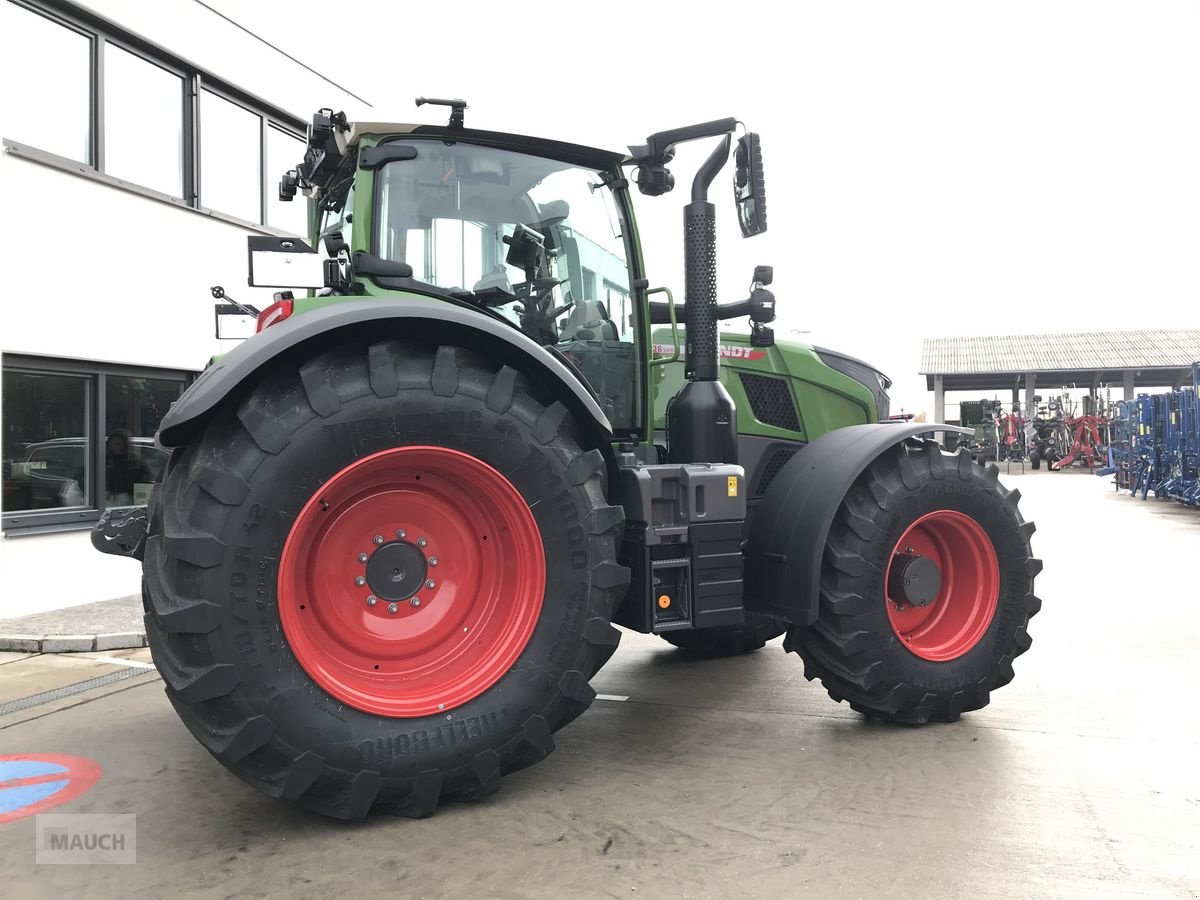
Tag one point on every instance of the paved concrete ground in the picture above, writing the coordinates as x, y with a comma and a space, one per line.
738, 778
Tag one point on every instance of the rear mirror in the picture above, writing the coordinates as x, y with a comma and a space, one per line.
284, 262
749, 187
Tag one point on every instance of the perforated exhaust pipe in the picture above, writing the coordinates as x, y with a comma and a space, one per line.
702, 420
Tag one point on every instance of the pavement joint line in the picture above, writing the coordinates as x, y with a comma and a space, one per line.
132, 663
28, 655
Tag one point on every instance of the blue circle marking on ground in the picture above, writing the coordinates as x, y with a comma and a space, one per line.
30, 783
14, 798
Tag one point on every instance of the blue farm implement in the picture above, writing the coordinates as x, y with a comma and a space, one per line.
1156, 445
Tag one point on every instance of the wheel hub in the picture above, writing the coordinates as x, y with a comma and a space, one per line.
396, 571
913, 579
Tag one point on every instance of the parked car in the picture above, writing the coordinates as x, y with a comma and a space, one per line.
54, 472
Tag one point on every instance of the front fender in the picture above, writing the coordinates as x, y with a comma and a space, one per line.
789, 528
373, 320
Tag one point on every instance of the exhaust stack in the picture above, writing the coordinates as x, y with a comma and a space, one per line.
702, 419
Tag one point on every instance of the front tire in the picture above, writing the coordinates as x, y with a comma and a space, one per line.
275, 658
938, 656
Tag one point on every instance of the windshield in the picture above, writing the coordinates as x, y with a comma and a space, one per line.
538, 241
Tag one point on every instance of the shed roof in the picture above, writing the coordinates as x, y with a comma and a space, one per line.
1160, 357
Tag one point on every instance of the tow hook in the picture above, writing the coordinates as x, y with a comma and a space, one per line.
121, 531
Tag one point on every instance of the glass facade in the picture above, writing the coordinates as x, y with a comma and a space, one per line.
57, 116
143, 122
79, 441
148, 118
230, 177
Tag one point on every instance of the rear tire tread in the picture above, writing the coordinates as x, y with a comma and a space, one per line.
182, 544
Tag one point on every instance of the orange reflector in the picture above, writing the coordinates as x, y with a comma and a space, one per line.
664, 601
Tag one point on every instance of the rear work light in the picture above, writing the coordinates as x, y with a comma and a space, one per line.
275, 313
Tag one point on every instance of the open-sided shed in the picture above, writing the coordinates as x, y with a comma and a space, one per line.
1132, 359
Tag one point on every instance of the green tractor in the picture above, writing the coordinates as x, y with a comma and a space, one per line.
399, 523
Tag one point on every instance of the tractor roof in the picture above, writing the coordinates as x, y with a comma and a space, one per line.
576, 154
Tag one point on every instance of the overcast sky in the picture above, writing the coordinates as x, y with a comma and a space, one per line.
933, 168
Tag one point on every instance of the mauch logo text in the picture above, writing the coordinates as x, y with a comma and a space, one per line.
63, 839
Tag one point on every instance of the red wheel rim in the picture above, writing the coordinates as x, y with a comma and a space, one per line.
959, 615
411, 516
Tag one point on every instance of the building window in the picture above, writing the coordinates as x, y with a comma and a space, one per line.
284, 152
143, 122
230, 176
616, 298
133, 408
589, 284
131, 110
46, 459
46, 68
59, 468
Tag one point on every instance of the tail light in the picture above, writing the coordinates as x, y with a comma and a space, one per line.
273, 314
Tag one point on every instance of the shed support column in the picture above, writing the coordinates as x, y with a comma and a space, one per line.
1030, 403
1128, 379
939, 405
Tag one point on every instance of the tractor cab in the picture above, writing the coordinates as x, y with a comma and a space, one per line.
538, 234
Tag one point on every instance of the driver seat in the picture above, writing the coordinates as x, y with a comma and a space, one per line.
589, 321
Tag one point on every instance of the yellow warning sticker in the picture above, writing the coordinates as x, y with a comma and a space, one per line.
732, 485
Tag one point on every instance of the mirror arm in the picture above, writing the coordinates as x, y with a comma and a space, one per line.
707, 172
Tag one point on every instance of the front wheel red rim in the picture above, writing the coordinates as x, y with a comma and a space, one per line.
954, 621
412, 581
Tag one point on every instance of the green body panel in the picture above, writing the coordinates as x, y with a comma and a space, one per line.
825, 398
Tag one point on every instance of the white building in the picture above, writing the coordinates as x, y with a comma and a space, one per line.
142, 143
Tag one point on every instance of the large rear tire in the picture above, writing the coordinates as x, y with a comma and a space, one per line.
327, 488
898, 660
727, 640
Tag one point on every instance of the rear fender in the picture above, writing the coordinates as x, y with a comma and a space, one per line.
375, 320
790, 525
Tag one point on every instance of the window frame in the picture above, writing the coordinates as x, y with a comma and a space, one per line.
95, 374
101, 32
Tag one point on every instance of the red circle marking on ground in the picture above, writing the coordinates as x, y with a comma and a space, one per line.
78, 772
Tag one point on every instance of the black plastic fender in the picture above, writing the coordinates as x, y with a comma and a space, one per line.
790, 525
380, 319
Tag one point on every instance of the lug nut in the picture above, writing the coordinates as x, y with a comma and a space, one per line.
421, 542
392, 607
431, 584
433, 560
402, 534
415, 601
362, 557
378, 538
360, 581
371, 601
